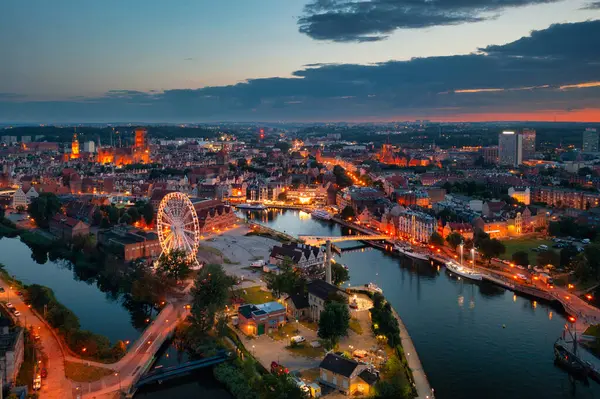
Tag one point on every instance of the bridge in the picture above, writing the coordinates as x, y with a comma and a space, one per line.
7, 191
160, 375
320, 240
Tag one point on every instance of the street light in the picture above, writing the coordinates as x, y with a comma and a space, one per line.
118, 375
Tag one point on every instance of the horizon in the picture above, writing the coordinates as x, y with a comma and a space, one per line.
311, 61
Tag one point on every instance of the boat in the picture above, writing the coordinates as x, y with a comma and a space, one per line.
569, 360
463, 271
374, 287
251, 207
321, 214
407, 251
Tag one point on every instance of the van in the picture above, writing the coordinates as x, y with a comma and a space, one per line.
543, 247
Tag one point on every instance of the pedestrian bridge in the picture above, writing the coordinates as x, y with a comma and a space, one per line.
163, 374
320, 240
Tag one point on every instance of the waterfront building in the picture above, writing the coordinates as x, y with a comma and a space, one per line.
522, 195
23, 196
590, 140
130, 243
12, 346
495, 227
319, 293
528, 143
261, 319
510, 148
415, 225
67, 228
346, 375
302, 256
315, 194
464, 229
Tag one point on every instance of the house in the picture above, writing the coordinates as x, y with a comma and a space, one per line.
346, 375
297, 306
23, 196
319, 292
464, 229
302, 256
493, 209
261, 319
67, 228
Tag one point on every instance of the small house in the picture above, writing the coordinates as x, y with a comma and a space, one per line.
346, 375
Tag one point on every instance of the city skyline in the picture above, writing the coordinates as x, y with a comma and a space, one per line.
368, 60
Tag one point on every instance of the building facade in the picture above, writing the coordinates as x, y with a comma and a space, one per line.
521, 195
528, 143
346, 375
67, 228
417, 226
590, 140
261, 319
510, 148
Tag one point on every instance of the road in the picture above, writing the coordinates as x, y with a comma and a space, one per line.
56, 385
141, 352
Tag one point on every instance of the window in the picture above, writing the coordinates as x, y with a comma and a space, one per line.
345, 383
323, 375
334, 380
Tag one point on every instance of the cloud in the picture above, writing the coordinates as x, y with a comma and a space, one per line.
557, 68
374, 20
594, 5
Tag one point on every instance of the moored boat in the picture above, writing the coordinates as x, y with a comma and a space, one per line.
407, 251
251, 207
374, 287
321, 214
463, 271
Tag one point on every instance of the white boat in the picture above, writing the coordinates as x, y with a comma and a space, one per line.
407, 251
374, 287
251, 207
463, 271
321, 214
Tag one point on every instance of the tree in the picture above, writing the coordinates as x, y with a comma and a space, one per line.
339, 273
334, 322
148, 213
2, 212
282, 196
43, 208
520, 258
134, 213
454, 239
436, 239
566, 254
491, 248
97, 218
479, 235
210, 295
174, 265
548, 258
280, 386
20, 209
287, 281
348, 213
126, 219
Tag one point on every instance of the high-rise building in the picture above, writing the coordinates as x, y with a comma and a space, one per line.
590, 140
89, 146
510, 148
528, 143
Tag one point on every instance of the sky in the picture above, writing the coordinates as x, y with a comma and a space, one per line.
299, 60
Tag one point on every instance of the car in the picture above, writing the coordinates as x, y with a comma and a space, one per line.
44, 373
37, 383
520, 267
298, 339
2, 290
17, 313
37, 337
19, 293
278, 369
522, 276
10, 305
360, 353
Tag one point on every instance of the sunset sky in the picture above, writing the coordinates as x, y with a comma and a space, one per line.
300, 60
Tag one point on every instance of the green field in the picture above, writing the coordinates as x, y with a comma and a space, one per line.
254, 295
523, 244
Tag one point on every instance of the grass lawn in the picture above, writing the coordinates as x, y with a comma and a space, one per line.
80, 372
523, 244
355, 326
593, 330
254, 295
306, 350
285, 332
211, 250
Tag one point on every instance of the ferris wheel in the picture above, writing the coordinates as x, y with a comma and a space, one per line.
177, 225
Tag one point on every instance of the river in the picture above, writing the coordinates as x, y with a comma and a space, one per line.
475, 340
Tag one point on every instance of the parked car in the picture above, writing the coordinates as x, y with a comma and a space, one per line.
10, 305
37, 383
19, 293
298, 339
2, 290
278, 369
37, 337
44, 373
17, 313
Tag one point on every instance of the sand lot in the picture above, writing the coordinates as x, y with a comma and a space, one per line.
240, 250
